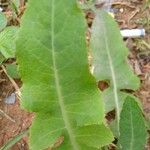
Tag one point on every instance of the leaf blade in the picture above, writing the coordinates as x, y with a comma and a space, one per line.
100, 137
133, 132
56, 83
110, 60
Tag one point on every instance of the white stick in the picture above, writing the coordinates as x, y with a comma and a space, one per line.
133, 33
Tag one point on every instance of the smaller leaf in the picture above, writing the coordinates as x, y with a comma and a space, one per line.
12, 71
113, 123
95, 135
3, 21
7, 42
133, 132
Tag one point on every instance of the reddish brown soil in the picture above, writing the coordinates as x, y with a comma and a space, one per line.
21, 119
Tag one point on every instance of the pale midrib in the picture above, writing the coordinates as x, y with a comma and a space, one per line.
132, 130
113, 77
58, 88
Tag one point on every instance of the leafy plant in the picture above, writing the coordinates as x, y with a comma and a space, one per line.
58, 86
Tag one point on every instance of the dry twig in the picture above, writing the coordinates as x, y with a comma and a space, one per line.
16, 87
7, 116
124, 4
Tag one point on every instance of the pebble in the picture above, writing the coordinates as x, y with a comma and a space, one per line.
10, 99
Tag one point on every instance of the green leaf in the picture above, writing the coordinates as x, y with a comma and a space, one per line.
100, 137
113, 123
3, 21
57, 85
90, 137
12, 71
7, 41
110, 61
133, 133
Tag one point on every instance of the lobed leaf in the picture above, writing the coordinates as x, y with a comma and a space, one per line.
110, 61
57, 85
133, 132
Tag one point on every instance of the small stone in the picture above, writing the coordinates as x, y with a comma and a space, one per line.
10, 99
